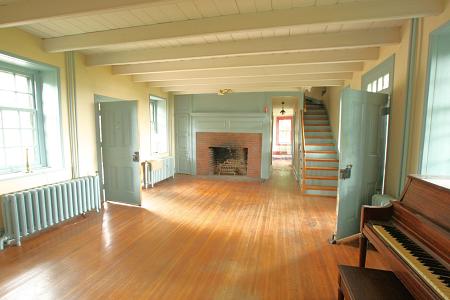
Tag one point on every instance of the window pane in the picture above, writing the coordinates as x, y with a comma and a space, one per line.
386, 81
15, 156
6, 81
369, 87
284, 131
24, 100
10, 119
374, 86
380, 84
26, 119
12, 137
27, 138
7, 98
2, 158
22, 84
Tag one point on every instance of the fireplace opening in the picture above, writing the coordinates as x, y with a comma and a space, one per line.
228, 160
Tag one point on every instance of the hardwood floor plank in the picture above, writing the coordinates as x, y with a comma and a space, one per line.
193, 238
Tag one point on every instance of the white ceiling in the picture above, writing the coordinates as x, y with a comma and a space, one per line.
193, 46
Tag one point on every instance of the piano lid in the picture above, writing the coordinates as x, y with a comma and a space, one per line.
429, 196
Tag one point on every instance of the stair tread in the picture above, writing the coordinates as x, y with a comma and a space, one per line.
322, 151
317, 130
322, 168
320, 187
317, 124
324, 145
319, 137
322, 159
321, 177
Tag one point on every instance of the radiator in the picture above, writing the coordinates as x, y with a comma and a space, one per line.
166, 170
30, 211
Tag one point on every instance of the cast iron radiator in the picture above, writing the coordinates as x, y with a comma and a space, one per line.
30, 211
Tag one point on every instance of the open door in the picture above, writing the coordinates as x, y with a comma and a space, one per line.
361, 156
120, 150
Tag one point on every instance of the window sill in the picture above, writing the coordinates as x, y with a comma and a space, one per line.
37, 172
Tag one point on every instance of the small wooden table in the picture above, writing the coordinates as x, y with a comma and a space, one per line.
370, 284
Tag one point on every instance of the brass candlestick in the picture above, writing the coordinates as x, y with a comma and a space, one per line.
27, 161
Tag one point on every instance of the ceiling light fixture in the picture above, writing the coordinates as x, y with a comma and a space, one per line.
222, 92
282, 112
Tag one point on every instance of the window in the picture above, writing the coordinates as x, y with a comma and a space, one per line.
159, 138
284, 126
30, 135
435, 158
382, 84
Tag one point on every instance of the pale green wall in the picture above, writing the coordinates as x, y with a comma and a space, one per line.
246, 112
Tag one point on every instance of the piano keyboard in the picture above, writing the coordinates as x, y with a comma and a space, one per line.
432, 271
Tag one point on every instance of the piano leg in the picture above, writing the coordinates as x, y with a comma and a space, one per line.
362, 251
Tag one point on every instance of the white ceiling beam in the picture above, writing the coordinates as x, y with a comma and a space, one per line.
329, 14
307, 42
252, 72
33, 11
280, 85
325, 56
238, 90
251, 80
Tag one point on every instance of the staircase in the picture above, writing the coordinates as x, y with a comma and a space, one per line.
321, 162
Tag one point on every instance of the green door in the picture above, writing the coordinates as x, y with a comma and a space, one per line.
360, 128
120, 150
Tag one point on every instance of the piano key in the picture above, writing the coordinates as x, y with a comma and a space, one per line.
417, 258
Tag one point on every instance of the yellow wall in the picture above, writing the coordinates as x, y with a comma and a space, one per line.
332, 104
89, 81
98, 80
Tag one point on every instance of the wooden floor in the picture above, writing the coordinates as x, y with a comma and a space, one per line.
194, 238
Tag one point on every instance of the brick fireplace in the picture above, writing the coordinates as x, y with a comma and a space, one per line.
244, 150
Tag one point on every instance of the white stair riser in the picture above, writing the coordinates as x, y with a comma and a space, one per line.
307, 117
321, 193
318, 133
322, 122
319, 141
321, 164
321, 182
308, 148
321, 173
320, 155
321, 127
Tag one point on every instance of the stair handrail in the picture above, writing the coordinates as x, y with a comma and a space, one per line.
303, 147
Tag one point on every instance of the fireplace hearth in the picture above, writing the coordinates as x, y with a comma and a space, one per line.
228, 160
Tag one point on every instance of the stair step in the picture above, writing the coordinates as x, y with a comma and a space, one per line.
322, 159
315, 145
327, 124
322, 168
317, 130
321, 177
321, 151
320, 187
319, 137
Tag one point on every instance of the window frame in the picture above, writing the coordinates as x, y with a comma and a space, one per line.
36, 83
153, 100
278, 129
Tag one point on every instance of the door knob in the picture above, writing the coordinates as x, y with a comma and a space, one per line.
135, 156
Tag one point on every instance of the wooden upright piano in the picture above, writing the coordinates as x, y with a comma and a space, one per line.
413, 236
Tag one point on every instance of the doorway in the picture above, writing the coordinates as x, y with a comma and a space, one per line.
283, 131
118, 150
